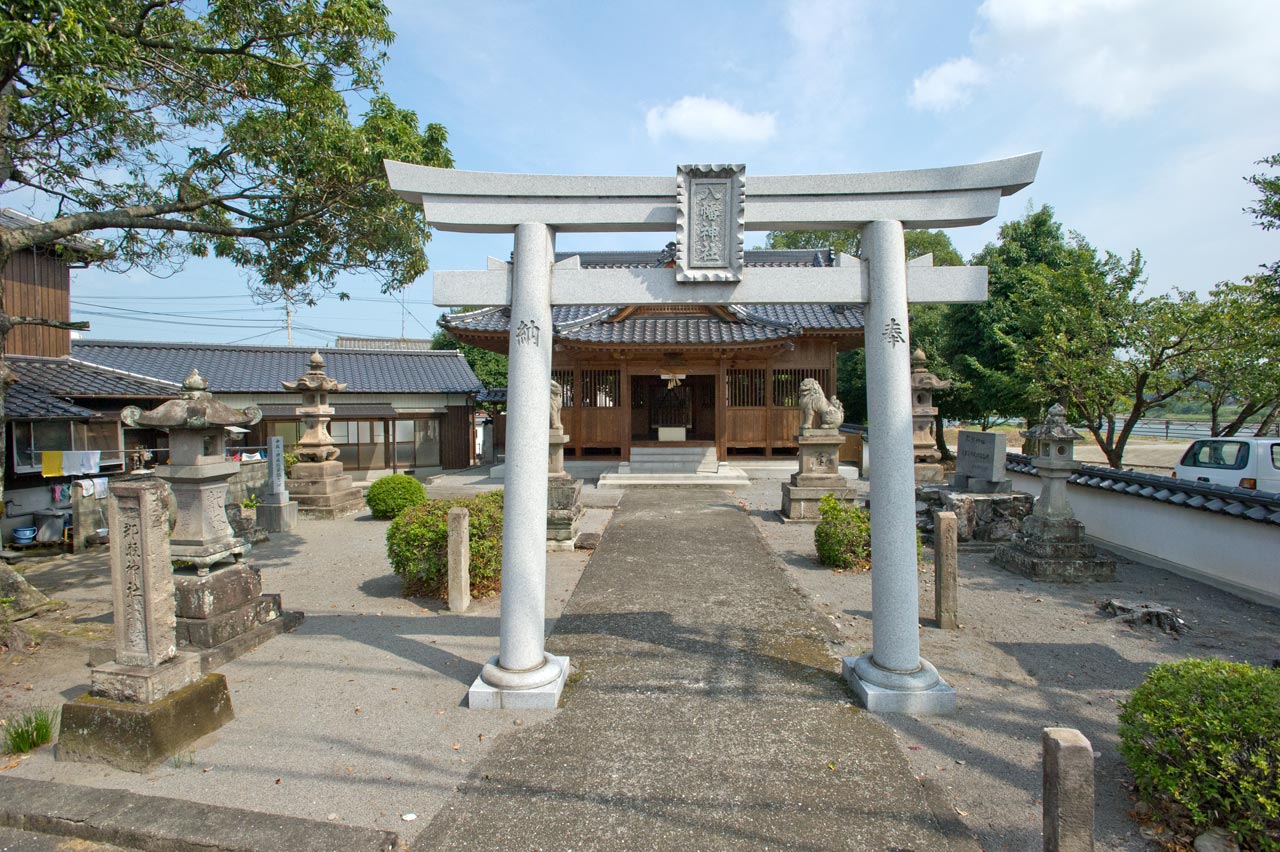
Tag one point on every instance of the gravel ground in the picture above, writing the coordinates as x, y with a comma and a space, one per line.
1029, 655
358, 716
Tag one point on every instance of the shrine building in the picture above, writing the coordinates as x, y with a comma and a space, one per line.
663, 375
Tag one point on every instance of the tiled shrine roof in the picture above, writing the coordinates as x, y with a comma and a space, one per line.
679, 324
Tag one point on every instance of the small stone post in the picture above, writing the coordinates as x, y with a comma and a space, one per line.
459, 559
946, 568
1068, 791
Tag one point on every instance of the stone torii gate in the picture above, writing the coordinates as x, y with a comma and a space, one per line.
710, 208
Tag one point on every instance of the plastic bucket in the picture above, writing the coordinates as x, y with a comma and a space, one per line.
24, 535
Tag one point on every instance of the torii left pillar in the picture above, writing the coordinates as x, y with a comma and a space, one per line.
523, 675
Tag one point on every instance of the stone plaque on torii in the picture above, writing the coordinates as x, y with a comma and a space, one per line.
710, 208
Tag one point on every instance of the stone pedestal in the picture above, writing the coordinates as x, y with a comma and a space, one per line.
819, 475
224, 614
152, 700
1054, 550
564, 497
278, 517
323, 491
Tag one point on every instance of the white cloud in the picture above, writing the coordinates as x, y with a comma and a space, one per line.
1123, 58
709, 120
947, 85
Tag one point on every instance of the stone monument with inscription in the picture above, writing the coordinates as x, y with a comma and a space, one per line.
980, 460
924, 439
153, 700
1051, 545
276, 511
317, 482
221, 610
819, 456
564, 493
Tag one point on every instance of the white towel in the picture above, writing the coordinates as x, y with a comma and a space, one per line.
86, 487
100, 488
92, 461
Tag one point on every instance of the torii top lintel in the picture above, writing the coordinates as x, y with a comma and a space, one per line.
492, 202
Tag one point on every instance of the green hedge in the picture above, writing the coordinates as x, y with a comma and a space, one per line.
418, 545
1202, 738
843, 535
389, 496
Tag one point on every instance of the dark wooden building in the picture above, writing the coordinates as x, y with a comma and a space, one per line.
684, 375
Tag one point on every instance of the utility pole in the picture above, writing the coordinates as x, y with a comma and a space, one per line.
288, 322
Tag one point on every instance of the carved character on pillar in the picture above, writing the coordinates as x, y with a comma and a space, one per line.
557, 400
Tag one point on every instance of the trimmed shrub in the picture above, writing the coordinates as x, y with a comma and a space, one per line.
1200, 737
389, 496
418, 546
843, 535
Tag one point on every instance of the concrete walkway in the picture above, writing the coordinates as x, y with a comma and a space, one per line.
708, 714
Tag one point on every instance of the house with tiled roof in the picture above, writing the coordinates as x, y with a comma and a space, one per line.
683, 375
403, 409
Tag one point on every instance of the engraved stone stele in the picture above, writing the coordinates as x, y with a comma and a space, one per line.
980, 458
564, 493
819, 456
1050, 545
928, 459
221, 611
276, 511
710, 223
152, 700
317, 482
198, 470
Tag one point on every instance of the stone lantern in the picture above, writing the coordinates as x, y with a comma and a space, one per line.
215, 604
564, 493
198, 470
1050, 544
317, 481
928, 459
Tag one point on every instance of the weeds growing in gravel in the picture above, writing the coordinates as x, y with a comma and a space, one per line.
33, 730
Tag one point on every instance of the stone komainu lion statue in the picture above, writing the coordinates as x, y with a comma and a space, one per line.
829, 412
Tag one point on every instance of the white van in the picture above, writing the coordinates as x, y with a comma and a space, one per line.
1237, 462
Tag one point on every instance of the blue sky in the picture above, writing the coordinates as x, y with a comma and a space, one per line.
1149, 114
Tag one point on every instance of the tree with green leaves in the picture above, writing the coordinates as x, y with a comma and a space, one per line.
490, 367
170, 129
1091, 341
1239, 377
1267, 213
851, 372
982, 342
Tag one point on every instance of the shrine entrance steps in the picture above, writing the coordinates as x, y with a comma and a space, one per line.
679, 466
707, 712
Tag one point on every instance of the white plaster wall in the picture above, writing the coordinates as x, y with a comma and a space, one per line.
1236, 555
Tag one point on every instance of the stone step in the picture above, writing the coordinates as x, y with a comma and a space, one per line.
321, 501
328, 513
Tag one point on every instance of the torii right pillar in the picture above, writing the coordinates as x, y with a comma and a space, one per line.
893, 677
